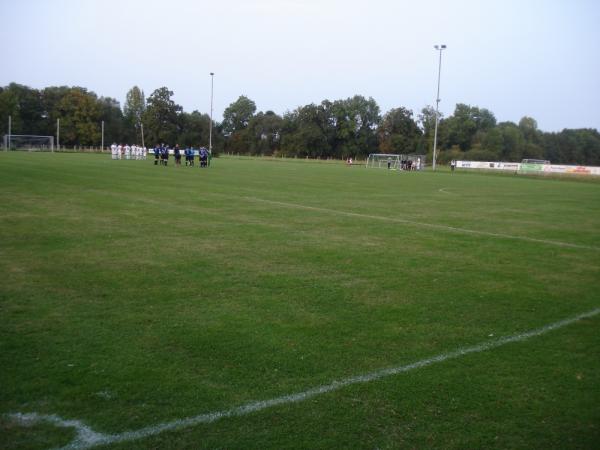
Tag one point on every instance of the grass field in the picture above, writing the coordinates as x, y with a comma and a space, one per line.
135, 296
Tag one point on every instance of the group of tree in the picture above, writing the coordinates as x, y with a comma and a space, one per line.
352, 127
82, 112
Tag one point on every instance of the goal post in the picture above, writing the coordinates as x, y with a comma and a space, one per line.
28, 142
533, 166
383, 161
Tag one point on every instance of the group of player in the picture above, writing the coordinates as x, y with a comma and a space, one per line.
162, 152
127, 151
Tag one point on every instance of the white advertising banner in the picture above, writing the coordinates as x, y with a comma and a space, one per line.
488, 165
539, 168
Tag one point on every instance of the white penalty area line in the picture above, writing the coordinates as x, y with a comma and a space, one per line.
422, 224
86, 437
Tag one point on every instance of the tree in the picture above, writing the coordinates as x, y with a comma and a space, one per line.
114, 126
237, 115
512, 142
265, 132
579, 146
133, 110
304, 132
195, 129
464, 124
80, 118
426, 122
354, 121
51, 98
24, 105
162, 117
398, 132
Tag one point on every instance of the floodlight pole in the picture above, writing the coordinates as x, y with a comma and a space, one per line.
437, 103
212, 78
142, 128
9, 131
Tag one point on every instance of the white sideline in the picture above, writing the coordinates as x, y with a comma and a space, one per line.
423, 224
88, 438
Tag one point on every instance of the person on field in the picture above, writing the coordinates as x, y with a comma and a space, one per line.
156, 154
452, 165
177, 153
203, 157
389, 162
166, 153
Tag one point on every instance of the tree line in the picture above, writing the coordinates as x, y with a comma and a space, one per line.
352, 127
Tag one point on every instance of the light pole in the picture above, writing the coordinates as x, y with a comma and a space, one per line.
212, 78
9, 132
437, 104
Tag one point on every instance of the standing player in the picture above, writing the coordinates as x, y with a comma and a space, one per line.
177, 154
165, 154
113, 151
156, 154
203, 157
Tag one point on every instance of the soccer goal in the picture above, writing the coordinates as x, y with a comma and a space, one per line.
29, 142
534, 166
535, 161
383, 161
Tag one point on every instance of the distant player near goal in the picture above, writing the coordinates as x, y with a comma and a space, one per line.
383, 161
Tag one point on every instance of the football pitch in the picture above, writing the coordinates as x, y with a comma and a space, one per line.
294, 304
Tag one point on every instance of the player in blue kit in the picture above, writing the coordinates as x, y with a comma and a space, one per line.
156, 154
177, 153
203, 157
164, 155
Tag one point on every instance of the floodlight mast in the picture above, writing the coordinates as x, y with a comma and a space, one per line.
437, 103
212, 78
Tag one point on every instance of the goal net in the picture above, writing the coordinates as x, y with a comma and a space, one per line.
28, 142
535, 161
383, 161
533, 166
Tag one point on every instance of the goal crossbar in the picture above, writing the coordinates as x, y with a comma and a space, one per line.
32, 142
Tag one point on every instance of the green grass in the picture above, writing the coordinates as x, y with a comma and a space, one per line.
135, 295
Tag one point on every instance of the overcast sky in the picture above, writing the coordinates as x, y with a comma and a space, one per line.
516, 58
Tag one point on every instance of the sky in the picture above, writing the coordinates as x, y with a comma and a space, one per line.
515, 58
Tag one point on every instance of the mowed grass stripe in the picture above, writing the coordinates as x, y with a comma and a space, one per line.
421, 224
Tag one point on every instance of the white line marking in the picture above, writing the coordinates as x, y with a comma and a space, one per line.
87, 438
423, 224
444, 191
